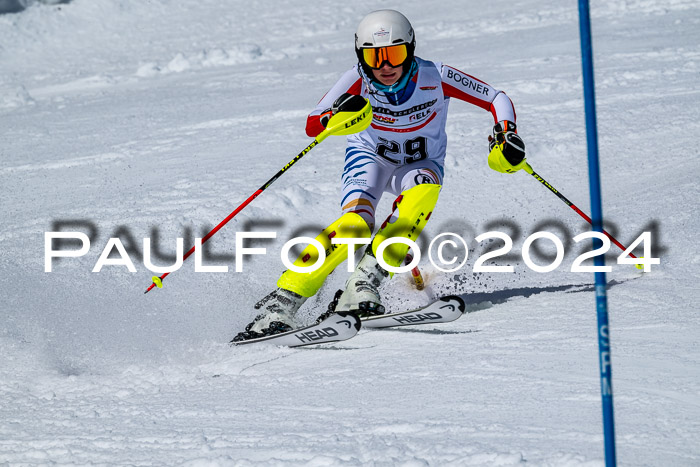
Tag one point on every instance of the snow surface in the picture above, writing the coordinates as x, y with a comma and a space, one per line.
128, 116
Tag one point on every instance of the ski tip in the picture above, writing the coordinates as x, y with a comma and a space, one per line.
456, 301
349, 319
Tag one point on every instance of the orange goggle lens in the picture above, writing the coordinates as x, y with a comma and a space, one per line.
394, 54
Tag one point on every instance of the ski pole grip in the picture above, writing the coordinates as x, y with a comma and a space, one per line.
350, 122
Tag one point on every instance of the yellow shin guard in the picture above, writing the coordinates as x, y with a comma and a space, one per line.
412, 210
350, 225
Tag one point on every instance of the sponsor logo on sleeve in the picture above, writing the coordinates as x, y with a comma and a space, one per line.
467, 83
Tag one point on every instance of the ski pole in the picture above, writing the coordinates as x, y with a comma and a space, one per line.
342, 123
528, 168
415, 273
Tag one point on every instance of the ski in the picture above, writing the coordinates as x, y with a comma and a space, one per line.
337, 327
443, 310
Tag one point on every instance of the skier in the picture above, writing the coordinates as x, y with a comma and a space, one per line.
402, 153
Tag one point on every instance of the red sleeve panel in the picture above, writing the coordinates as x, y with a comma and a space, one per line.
466, 88
350, 82
314, 127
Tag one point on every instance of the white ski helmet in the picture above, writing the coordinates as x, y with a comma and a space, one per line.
384, 28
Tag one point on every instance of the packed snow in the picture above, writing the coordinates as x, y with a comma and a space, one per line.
156, 119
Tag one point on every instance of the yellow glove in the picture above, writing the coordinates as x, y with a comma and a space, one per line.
507, 150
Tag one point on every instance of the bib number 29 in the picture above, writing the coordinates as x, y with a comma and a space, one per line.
414, 149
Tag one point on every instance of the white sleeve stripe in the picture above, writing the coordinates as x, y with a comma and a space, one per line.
502, 108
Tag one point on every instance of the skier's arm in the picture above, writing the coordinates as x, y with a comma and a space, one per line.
506, 148
350, 83
465, 87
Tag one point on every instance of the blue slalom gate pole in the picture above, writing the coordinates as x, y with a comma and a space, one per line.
597, 218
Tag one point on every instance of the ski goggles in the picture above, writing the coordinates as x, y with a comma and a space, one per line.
394, 54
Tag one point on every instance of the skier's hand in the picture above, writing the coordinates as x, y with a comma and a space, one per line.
348, 103
506, 148
345, 103
325, 116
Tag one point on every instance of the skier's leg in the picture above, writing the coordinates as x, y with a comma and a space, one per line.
365, 178
278, 309
350, 225
420, 188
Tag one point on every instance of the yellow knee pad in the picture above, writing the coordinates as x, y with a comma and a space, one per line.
350, 225
412, 209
